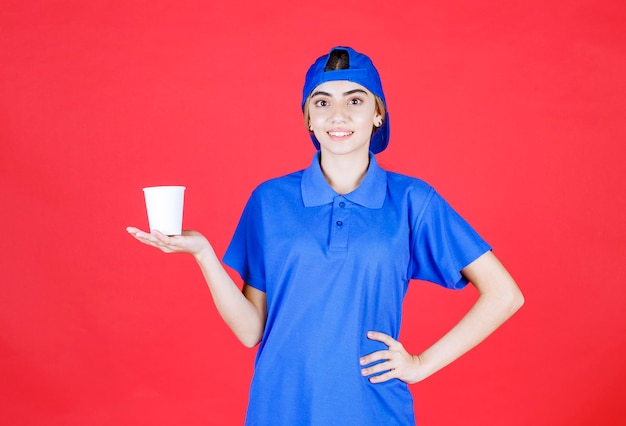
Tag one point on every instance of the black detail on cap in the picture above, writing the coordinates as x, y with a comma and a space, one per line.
339, 59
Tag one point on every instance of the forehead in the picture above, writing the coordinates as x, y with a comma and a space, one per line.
339, 88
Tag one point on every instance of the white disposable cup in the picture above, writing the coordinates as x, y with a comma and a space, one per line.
165, 208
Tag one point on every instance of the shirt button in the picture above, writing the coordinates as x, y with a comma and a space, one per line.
339, 223
342, 204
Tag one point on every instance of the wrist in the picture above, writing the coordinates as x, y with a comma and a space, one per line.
422, 369
205, 253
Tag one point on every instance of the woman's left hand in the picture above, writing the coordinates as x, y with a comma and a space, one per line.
396, 363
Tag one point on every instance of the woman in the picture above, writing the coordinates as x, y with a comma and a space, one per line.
326, 255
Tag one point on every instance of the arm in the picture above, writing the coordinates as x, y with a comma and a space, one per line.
499, 299
244, 311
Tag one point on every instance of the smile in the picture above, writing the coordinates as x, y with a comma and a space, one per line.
340, 134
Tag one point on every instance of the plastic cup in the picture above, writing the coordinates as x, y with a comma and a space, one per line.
165, 208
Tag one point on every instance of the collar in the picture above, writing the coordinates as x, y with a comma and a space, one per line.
370, 193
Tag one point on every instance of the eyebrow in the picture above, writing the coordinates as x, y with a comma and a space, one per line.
348, 93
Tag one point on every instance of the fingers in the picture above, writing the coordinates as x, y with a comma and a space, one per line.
189, 242
391, 374
380, 367
392, 367
389, 341
154, 239
392, 363
131, 229
384, 362
376, 357
383, 371
142, 236
382, 337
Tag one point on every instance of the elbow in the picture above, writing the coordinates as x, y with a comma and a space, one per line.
505, 301
250, 340
248, 332
520, 300
515, 301
250, 343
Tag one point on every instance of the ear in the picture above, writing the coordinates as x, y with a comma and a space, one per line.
378, 120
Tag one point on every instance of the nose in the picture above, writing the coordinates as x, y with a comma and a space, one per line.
338, 113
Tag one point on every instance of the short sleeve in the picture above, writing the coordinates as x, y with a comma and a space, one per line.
442, 244
245, 251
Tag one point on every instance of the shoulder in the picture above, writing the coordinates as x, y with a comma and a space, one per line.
412, 195
408, 186
278, 187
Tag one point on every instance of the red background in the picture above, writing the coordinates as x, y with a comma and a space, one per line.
514, 111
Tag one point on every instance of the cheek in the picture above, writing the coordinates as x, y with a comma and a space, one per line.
365, 120
316, 120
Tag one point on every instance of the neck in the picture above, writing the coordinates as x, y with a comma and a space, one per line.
344, 173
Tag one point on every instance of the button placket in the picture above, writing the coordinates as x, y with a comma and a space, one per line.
340, 224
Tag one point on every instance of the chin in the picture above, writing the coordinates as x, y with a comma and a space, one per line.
345, 150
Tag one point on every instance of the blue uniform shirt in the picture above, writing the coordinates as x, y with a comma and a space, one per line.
334, 267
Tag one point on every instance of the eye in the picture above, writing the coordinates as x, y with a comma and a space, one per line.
355, 101
320, 103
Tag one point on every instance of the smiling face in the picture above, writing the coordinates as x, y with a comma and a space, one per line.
342, 115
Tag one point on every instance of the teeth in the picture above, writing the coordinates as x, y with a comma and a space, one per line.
339, 134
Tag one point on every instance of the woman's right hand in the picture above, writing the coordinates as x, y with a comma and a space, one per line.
191, 242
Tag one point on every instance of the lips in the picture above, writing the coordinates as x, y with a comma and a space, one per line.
339, 133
